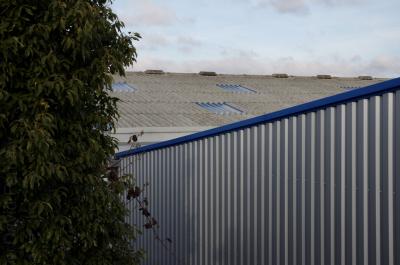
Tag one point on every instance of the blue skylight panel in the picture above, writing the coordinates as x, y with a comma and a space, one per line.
235, 88
219, 108
122, 87
350, 87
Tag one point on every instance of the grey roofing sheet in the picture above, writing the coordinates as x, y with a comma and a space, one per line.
169, 99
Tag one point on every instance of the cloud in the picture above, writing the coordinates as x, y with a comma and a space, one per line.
188, 41
381, 66
152, 42
146, 13
302, 7
384, 64
188, 44
290, 6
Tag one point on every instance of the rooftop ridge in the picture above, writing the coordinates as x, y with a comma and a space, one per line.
273, 75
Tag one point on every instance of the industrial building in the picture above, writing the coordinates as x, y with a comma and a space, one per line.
316, 183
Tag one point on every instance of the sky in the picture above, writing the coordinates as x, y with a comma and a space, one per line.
297, 37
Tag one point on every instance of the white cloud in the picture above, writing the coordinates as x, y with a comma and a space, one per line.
146, 13
153, 42
188, 41
301, 6
381, 66
384, 64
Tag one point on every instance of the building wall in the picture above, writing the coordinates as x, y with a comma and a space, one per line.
152, 135
318, 187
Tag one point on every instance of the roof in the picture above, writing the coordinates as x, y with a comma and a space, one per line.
171, 99
341, 98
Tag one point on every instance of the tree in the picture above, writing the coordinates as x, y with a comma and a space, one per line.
57, 59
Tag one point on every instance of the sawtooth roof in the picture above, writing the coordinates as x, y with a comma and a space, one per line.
169, 99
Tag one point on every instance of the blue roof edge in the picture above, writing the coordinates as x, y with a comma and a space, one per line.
379, 88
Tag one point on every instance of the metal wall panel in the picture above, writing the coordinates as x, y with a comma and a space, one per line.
320, 187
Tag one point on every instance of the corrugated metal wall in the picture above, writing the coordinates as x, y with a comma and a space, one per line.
317, 188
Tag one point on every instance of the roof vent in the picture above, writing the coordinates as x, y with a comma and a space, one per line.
324, 77
365, 77
235, 88
154, 72
280, 75
207, 73
219, 108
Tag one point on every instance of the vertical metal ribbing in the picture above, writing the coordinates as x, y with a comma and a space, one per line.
331, 174
254, 195
278, 177
396, 180
339, 186
394, 110
342, 169
372, 181
189, 195
133, 171
312, 184
320, 187
155, 203
309, 222
293, 172
168, 201
185, 233
285, 139
163, 218
354, 189
363, 167
350, 183
258, 201
203, 200
264, 202
173, 189
147, 192
196, 202
241, 197
269, 137
235, 191
216, 254
229, 190
210, 243
377, 140
387, 202
182, 222
161, 200
213, 205
303, 187
247, 238
274, 207
148, 195
223, 202
173, 158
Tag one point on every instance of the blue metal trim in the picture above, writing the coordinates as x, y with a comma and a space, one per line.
380, 88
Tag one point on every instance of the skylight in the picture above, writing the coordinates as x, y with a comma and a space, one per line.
235, 88
350, 87
219, 108
122, 87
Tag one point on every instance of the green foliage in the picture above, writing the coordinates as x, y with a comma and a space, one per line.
57, 59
